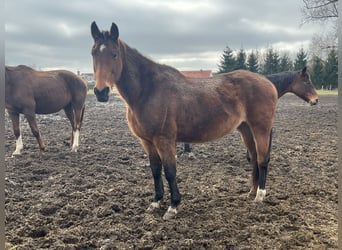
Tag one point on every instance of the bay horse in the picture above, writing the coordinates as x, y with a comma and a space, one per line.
297, 82
32, 92
163, 107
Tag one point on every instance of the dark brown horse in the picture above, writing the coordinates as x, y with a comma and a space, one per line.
296, 82
163, 108
32, 92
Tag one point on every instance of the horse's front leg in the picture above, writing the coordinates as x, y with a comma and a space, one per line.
35, 131
167, 150
16, 129
170, 174
156, 168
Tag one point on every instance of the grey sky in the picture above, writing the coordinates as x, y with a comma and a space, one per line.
188, 34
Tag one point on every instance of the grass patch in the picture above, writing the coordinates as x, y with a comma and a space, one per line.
327, 92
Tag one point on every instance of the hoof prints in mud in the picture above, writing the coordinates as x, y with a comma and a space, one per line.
97, 198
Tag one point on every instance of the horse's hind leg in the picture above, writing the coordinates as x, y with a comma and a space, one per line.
31, 118
78, 118
75, 116
156, 168
263, 147
16, 129
248, 140
70, 115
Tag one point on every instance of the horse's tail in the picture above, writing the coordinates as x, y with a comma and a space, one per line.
82, 114
269, 147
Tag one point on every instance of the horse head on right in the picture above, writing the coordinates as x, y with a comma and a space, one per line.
107, 60
304, 88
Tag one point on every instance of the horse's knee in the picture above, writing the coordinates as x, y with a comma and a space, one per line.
156, 167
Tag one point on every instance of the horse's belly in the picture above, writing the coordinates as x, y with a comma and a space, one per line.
50, 105
210, 132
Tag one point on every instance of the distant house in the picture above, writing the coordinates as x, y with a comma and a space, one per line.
197, 73
88, 78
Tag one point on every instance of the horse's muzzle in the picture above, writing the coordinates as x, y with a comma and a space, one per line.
314, 102
103, 95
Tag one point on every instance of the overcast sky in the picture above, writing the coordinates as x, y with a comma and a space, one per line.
187, 35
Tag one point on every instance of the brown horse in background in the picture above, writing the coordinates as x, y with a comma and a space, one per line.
32, 92
297, 82
163, 108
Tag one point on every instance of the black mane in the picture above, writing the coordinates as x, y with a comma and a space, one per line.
282, 80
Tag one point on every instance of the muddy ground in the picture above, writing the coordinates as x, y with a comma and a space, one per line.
97, 198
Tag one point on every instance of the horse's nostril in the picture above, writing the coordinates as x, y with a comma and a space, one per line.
314, 102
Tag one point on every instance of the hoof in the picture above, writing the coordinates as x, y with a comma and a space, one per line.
74, 149
260, 196
16, 153
170, 213
153, 206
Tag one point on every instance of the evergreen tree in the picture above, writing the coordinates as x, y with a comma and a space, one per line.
252, 62
228, 62
285, 63
317, 75
271, 63
331, 69
301, 60
241, 60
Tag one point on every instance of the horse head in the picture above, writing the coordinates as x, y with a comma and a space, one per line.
304, 88
107, 60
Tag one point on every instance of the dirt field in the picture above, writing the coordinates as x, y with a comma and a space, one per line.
97, 198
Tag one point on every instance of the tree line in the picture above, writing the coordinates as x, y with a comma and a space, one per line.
323, 71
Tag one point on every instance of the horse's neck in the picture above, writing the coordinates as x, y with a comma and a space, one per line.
281, 82
131, 82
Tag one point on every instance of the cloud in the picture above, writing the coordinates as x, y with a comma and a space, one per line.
185, 34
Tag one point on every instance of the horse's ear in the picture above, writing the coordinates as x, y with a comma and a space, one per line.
304, 71
95, 32
114, 32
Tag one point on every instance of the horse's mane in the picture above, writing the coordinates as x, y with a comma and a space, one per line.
134, 55
282, 80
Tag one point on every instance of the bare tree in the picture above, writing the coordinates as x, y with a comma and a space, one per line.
319, 10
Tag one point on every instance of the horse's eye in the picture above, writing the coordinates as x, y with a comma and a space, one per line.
115, 56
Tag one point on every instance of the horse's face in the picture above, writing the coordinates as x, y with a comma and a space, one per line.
106, 60
303, 86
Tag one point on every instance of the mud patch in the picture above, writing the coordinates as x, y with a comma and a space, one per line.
97, 198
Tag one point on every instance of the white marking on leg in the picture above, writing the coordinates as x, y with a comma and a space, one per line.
76, 141
260, 195
154, 205
102, 47
19, 146
170, 213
